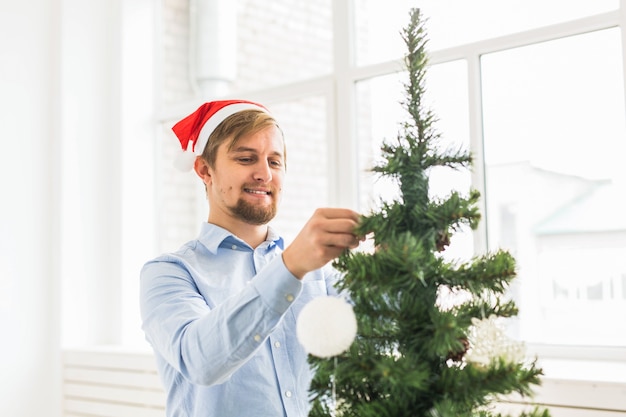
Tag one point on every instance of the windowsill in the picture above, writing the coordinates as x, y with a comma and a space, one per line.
581, 363
584, 370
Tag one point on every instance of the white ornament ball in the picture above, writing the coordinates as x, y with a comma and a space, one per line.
326, 326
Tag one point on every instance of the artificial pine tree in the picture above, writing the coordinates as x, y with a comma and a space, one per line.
412, 356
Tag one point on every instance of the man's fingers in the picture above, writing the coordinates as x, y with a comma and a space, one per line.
340, 239
339, 213
340, 225
335, 220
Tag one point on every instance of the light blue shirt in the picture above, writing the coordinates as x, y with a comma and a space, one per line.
221, 318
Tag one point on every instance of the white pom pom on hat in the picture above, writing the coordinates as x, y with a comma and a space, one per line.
326, 326
194, 130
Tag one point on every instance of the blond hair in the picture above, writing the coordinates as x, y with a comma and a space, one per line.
234, 127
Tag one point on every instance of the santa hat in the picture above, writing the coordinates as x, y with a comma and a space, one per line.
194, 130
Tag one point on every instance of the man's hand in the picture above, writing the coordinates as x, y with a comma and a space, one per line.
328, 232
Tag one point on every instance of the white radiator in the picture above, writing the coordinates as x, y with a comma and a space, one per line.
118, 383
110, 383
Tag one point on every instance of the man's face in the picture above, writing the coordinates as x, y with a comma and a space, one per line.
246, 181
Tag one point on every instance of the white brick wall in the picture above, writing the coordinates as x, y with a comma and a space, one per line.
175, 53
282, 41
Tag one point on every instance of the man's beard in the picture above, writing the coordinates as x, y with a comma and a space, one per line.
252, 214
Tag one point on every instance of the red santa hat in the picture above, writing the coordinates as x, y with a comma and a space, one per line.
194, 130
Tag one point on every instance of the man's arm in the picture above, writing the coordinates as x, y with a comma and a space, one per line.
206, 345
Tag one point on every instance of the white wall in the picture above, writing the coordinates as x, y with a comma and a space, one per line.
76, 112
29, 70
90, 178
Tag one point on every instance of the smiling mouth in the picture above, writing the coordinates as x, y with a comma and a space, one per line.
258, 192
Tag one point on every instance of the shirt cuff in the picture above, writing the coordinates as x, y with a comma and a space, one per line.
277, 287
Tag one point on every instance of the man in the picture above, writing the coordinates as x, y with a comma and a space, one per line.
220, 313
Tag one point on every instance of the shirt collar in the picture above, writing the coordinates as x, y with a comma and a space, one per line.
212, 236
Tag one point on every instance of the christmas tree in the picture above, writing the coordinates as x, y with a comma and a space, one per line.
413, 356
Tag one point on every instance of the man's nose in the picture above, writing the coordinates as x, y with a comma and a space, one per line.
263, 172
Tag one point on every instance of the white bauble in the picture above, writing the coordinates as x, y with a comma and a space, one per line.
326, 326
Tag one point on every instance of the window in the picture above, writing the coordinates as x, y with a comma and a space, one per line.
546, 122
533, 88
452, 23
554, 136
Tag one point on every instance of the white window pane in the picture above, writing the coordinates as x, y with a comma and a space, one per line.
306, 184
555, 137
380, 113
457, 22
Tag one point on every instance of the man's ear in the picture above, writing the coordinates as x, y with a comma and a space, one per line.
202, 168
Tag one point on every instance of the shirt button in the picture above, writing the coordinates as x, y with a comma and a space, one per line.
289, 297
257, 338
288, 394
234, 247
276, 344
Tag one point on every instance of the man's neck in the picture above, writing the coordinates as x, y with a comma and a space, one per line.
252, 234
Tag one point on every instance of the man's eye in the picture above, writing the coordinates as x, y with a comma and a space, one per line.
245, 160
276, 163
